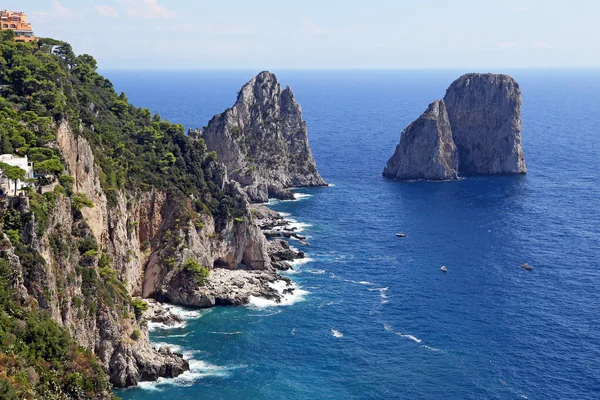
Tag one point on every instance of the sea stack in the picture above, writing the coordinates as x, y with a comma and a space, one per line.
474, 130
426, 149
263, 141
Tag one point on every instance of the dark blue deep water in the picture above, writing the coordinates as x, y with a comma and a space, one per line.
380, 320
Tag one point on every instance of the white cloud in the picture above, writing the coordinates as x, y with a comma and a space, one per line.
542, 45
312, 28
147, 9
107, 11
57, 11
506, 45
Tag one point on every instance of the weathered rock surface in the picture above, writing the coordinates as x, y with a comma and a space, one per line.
426, 149
263, 141
474, 130
224, 287
485, 115
147, 236
160, 313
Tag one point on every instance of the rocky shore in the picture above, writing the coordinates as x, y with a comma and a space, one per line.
236, 287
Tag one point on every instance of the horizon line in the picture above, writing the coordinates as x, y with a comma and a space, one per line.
350, 68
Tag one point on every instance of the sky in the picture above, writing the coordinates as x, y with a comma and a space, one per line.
323, 34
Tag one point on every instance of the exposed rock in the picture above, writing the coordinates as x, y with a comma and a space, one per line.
426, 149
485, 115
474, 130
224, 287
265, 218
139, 232
159, 313
263, 141
280, 250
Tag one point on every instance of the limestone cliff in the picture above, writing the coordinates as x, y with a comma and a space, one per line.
426, 149
88, 261
474, 130
263, 141
485, 115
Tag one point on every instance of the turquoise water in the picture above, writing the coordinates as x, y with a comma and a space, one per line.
379, 320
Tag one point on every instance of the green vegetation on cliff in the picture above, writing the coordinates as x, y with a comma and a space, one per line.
44, 85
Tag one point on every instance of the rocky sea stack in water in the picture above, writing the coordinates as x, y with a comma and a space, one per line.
263, 141
474, 130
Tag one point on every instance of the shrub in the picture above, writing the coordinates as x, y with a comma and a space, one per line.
67, 181
136, 334
80, 201
199, 274
6, 390
139, 307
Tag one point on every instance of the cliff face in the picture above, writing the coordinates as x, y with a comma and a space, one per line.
89, 261
426, 149
485, 115
474, 130
263, 141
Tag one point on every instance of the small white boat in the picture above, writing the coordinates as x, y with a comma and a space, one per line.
526, 266
444, 269
401, 234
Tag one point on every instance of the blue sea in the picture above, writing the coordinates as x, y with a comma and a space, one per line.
376, 318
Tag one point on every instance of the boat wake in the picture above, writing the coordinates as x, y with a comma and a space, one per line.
413, 338
389, 328
382, 294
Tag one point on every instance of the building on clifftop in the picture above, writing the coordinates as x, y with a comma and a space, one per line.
17, 22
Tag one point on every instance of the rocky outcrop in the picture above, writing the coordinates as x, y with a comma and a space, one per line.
263, 141
474, 130
426, 149
224, 288
485, 115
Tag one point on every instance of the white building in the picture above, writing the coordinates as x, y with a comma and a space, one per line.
7, 186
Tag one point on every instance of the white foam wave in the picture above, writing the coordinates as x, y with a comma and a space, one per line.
297, 197
187, 313
316, 271
287, 298
389, 328
301, 196
198, 369
411, 337
174, 348
154, 326
182, 335
360, 282
336, 333
301, 261
431, 348
382, 294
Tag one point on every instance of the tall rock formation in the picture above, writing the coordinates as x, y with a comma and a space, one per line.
426, 149
263, 141
485, 115
474, 130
